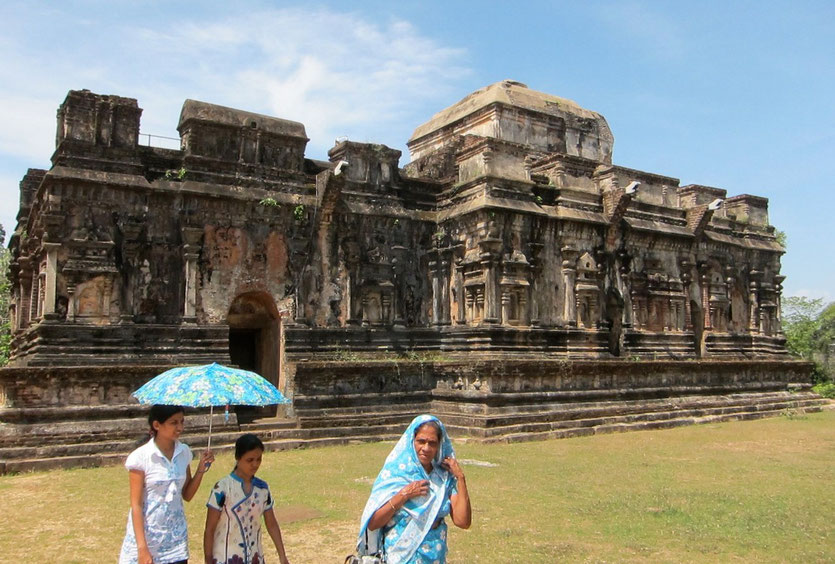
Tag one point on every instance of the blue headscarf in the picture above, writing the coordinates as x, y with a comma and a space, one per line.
401, 468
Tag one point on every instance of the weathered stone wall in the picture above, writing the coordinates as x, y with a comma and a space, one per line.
510, 233
72, 386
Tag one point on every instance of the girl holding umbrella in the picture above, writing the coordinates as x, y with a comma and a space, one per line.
160, 479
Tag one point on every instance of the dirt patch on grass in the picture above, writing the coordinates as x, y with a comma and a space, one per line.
331, 543
293, 513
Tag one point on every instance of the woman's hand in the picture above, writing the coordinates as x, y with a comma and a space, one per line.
206, 459
452, 465
145, 556
414, 489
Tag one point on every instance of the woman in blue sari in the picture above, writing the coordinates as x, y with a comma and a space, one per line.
420, 484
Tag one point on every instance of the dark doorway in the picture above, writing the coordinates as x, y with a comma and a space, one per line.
243, 348
254, 343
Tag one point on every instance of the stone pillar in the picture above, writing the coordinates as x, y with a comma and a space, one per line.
479, 302
778, 298
704, 280
463, 296
536, 271
71, 300
569, 278
385, 305
753, 309
729, 279
190, 301
34, 296
439, 265
686, 280
364, 304
131, 230
635, 303
399, 264
51, 277
351, 299
191, 247
446, 318
506, 299
352, 287
490, 249
528, 164
624, 287
107, 292
24, 279
434, 268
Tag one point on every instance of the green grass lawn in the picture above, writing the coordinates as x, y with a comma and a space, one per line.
760, 491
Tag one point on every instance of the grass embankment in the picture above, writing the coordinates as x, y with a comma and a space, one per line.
761, 491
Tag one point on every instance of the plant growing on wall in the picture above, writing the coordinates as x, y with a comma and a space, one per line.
268, 202
299, 213
178, 174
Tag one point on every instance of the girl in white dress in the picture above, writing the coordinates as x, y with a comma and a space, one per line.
160, 479
235, 507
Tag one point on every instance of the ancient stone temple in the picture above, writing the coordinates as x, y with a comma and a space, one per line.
509, 257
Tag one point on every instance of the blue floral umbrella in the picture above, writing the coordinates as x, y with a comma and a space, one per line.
207, 386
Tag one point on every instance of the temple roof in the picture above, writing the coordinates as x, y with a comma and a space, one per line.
212, 113
510, 93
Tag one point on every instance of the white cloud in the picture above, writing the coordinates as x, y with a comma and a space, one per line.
336, 72
27, 127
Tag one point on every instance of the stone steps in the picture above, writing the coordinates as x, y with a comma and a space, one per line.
277, 434
562, 411
385, 422
110, 459
659, 345
130, 427
360, 419
635, 422
641, 426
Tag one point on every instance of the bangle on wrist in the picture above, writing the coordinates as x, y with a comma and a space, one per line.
392, 506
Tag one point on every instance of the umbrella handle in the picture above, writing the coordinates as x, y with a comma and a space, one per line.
211, 412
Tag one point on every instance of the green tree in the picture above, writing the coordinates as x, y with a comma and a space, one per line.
809, 326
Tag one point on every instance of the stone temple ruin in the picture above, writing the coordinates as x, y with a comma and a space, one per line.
510, 278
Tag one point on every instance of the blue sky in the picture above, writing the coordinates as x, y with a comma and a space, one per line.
736, 95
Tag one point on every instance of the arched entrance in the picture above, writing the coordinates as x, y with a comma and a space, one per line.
254, 342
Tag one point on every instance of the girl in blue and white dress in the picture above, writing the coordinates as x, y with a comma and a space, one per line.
160, 479
235, 507
420, 484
